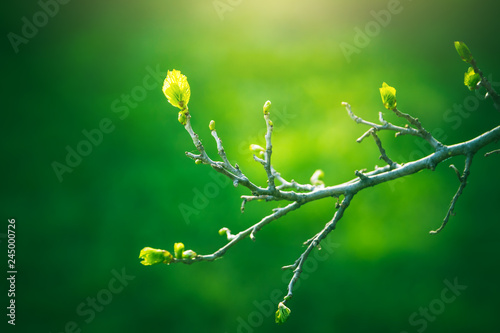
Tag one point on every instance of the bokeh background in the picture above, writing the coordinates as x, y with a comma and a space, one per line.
92, 62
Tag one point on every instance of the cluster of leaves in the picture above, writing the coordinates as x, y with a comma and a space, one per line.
152, 256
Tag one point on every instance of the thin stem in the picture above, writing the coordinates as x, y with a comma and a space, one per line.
421, 130
299, 263
463, 183
242, 234
385, 125
268, 152
383, 154
497, 151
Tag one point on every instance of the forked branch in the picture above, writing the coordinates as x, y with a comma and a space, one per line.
295, 195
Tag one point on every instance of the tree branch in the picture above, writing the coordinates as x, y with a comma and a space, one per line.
497, 151
463, 183
312, 243
251, 231
487, 85
299, 194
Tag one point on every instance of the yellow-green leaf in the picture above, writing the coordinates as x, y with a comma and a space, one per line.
152, 256
463, 51
388, 95
471, 79
176, 89
282, 314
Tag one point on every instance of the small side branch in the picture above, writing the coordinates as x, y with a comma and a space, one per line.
197, 143
277, 213
497, 151
463, 183
312, 243
419, 131
268, 152
222, 153
383, 155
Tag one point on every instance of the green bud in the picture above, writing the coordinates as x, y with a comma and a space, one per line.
198, 161
212, 125
152, 256
388, 95
267, 106
223, 231
182, 118
188, 254
471, 79
463, 51
317, 177
257, 150
178, 249
282, 314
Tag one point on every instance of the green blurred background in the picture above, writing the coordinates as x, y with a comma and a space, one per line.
76, 233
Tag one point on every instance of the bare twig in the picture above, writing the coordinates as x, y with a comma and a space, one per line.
222, 154
422, 132
241, 235
312, 243
385, 125
497, 151
463, 183
419, 131
268, 152
383, 155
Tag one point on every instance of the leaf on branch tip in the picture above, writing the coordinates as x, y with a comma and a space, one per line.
152, 256
463, 51
176, 89
267, 107
282, 313
388, 95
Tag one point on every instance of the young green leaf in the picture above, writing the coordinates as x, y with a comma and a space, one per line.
152, 256
471, 79
176, 89
463, 51
282, 314
388, 95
